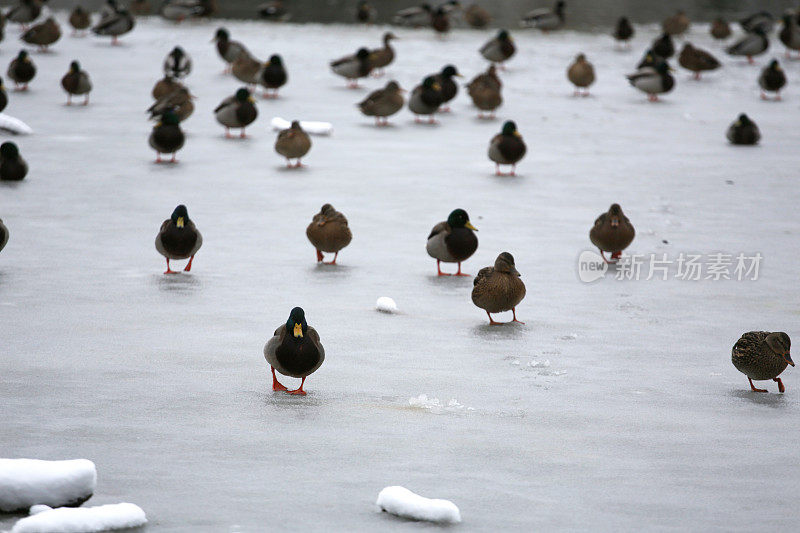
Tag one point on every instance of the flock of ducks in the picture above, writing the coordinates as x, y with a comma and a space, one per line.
295, 349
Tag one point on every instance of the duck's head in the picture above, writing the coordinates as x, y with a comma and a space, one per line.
275, 59
170, 117
243, 95
503, 35
460, 219
180, 216
774, 65
388, 36
560, 5
510, 128
297, 326
327, 210
614, 215
663, 67
222, 35
9, 150
23, 55
74, 67
779, 343
743, 120
505, 263
449, 71
177, 52
430, 83
296, 125
393, 86
580, 58
362, 53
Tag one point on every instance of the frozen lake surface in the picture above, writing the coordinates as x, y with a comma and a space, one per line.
615, 407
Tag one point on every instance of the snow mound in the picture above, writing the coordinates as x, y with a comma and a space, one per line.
14, 125
83, 520
27, 482
386, 305
434, 405
311, 127
400, 501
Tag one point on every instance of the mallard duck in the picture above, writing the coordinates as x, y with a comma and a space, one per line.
165, 86
744, 131
415, 17
293, 143
3, 235
476, 16
790, 34
485, 92
499, 288
380, 58
761, 20
43, 34
177, 64
141, 7
79, 19
425, 99
772, 80
76, 82
720, 29
294, 351
115, 25
612, 232
650, 59
21, 70
365, 13
663, 46
623, 31
178, 238
353, 67
653, 80
179, 101
273, 76
246, 69
24, 12
452, 241
227, 49
752, 44
440, 21
110, 9
697, 60
383, 103
507, 148
500, 49
581, 75
274, 11
180, 10
237, 111
762, 355
12, 166
3, 96
167, 136
545, 19
677, 24
328, 232
448, 87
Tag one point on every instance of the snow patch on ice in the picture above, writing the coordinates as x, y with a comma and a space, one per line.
402, 502
36, 509
386, 305
28, 482
539, 364
434, 405
309, 126
14, 125
83, 520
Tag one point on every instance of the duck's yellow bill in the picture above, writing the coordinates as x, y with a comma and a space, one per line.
298, 330
180, 222
469, 225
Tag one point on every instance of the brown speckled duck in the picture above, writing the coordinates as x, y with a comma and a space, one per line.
164, 86
43, 34
485, 92
476, 16
581, 74
677, 24
697, 60
178, 238
507, 148
294, 350
293, 143
180, 101
383, 103
246, 68
612, 232
452, 241
380, 58
762, 355
499, 288
79, 19
329, 233
720, 29
76, 82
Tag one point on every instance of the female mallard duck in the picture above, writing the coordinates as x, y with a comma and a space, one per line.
383, 103
752, 44
21, 70
141, 7
180, 10
167, 136
697, 60
178, 238
663, 46
452, 241
237, 111
612, 232
3, 235
43, 34
425, 99
227, 49
353, 67
790, 34
328, 232
165, 86
581, 75
448, 87
274, 11
273, 76
76, 82
177, 64
79, 19
414, 17
744, 131
545, 19
500, 49
380, 58
3, 96
653, 80
507, 148
484, 90
24, 12
115, 25
294, 351
476, 16
772, 80
365, 13
677, 24
762, 355
499, 288
720, 29
293, 143
623, 31
440, 21
12, 166
760, 20
179, 101
246, 69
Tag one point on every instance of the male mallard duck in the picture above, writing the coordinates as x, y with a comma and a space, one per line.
761, 20
697, 60
76, 82
294, 350
772, 80
293, 143
452, 241
115, 25
246, 69
110, 9
21, 70
227, 49
380, 58
365, 13
477, 17
179, 101
653, 80
3, 96
3, 235
484, 90
500, 49
720, 29
415, 17
383, 103
12, 166
237, 111
677, 24
448, 87
328, 232
353, 67
180, 10
425, 99
752, 44
650, 59
165, 86
663, 46
545, 19
507, 148
273, 76
581, 75
79, 19
177, 64
167, 136
499, 288
274, 11
612, 232
24, 12
440, 21
744, 131
141, 7
43, 34
623, 31
178, 238
762, 355
790, 34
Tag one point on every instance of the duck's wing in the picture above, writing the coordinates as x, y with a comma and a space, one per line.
482, 275
601, 220
441, 227
225, 103
314, 336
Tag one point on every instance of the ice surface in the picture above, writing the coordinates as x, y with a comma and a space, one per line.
83, 520
312, 127
386, 305
27, 482
402, 502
